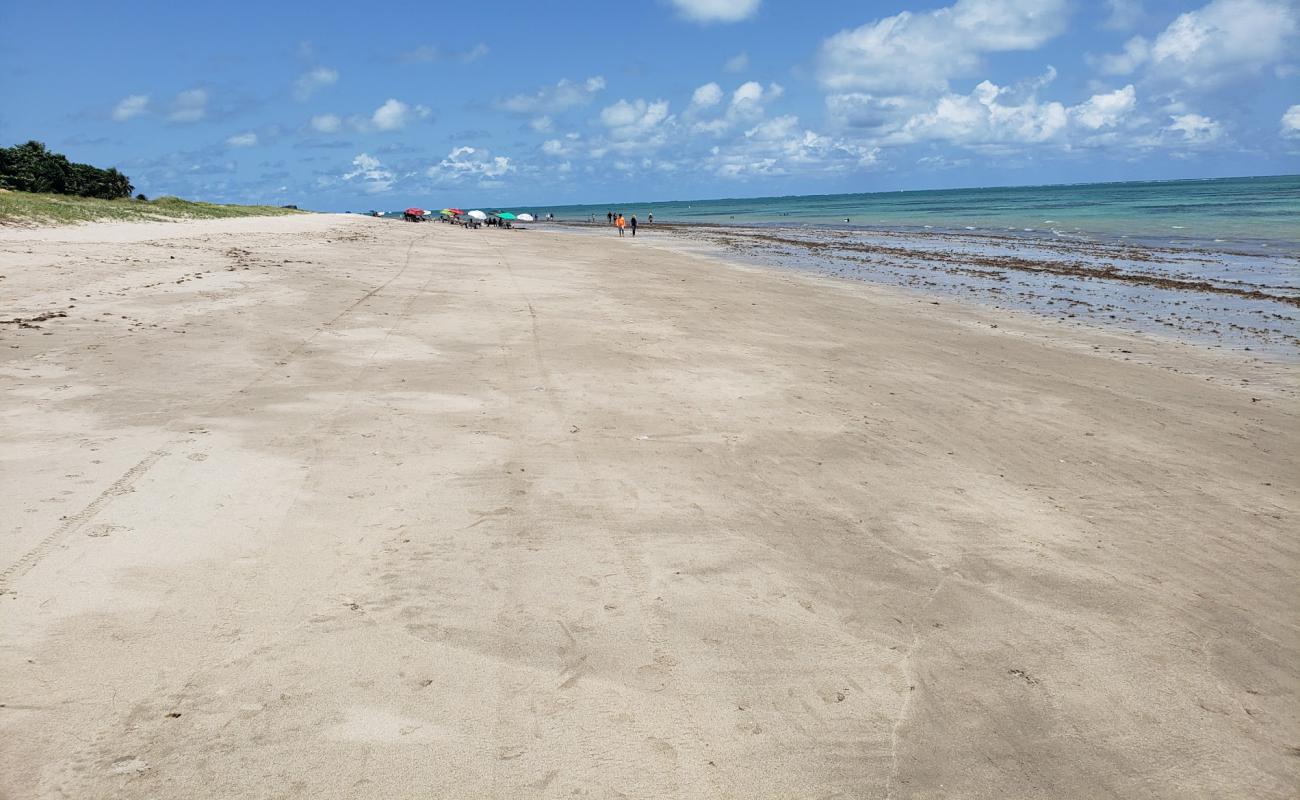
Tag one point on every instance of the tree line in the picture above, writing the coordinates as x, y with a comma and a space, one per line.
31, 167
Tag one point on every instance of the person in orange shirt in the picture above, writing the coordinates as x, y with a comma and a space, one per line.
620, 223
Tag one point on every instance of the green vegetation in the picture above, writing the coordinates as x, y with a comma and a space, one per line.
32, 168
27, 208
41, 187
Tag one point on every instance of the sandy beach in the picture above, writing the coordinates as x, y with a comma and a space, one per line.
331, 507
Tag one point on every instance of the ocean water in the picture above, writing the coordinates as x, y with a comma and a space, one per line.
1210, 261
1246, 214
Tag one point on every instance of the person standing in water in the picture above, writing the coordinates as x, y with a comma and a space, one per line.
633, 221
651, 218
620, 223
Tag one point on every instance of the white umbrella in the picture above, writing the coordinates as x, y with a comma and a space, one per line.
525, 217
478, 215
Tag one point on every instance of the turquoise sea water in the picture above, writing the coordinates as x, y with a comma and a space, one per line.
1245, 212
1215, 261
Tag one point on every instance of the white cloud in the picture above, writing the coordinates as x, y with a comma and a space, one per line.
326, 123
717, 10
633, 120
1215, 44
242, 140
707, 96
391, 116
781, 146
542, 124
469, 163
1291, 121
925, 50
1106, 110
747, 106
131, 106
1195, 129
375, 179
870, 112
1136, 52
189, 106
986, 116
737, 63
751, 95
563, 96
312, 80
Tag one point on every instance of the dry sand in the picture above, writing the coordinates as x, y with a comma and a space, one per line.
329, 507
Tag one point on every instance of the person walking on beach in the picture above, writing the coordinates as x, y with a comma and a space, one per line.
633, 220
620, 223
609, 217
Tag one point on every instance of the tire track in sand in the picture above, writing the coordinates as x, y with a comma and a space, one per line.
71, 523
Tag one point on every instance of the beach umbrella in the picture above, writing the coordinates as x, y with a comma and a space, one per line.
478, 215
415, 212
525, 218
506, 215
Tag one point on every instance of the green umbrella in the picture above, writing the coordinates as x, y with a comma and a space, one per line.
506, 215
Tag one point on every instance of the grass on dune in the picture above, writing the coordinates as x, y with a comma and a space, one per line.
26, 208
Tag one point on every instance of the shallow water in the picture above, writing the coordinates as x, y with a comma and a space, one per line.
1238, 214
1239, 301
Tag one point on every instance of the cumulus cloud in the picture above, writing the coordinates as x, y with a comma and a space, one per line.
747, 105
312, 80
923, 51
707, 96
470, 163
993, 116
717, 10
986, 116
1215, 44
242, 140
633, 120
390, 116
1106, 110
782, 146
749, 97
189, 106
372, 175
130, 106
1291, 122
1195, 129
560, 97
1135, 53
394, 114
326, 123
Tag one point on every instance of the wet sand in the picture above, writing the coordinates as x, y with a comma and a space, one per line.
1247, 300
337, 507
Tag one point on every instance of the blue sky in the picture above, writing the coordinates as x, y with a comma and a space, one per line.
352, 106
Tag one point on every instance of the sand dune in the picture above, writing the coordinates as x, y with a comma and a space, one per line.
329, 507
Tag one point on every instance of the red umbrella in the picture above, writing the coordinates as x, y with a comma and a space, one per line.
415, 212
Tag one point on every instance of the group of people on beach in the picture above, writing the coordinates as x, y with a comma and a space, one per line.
617, 219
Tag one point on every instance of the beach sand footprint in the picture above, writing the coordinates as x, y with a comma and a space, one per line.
102, 529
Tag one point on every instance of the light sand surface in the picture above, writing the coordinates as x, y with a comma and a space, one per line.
328, 507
